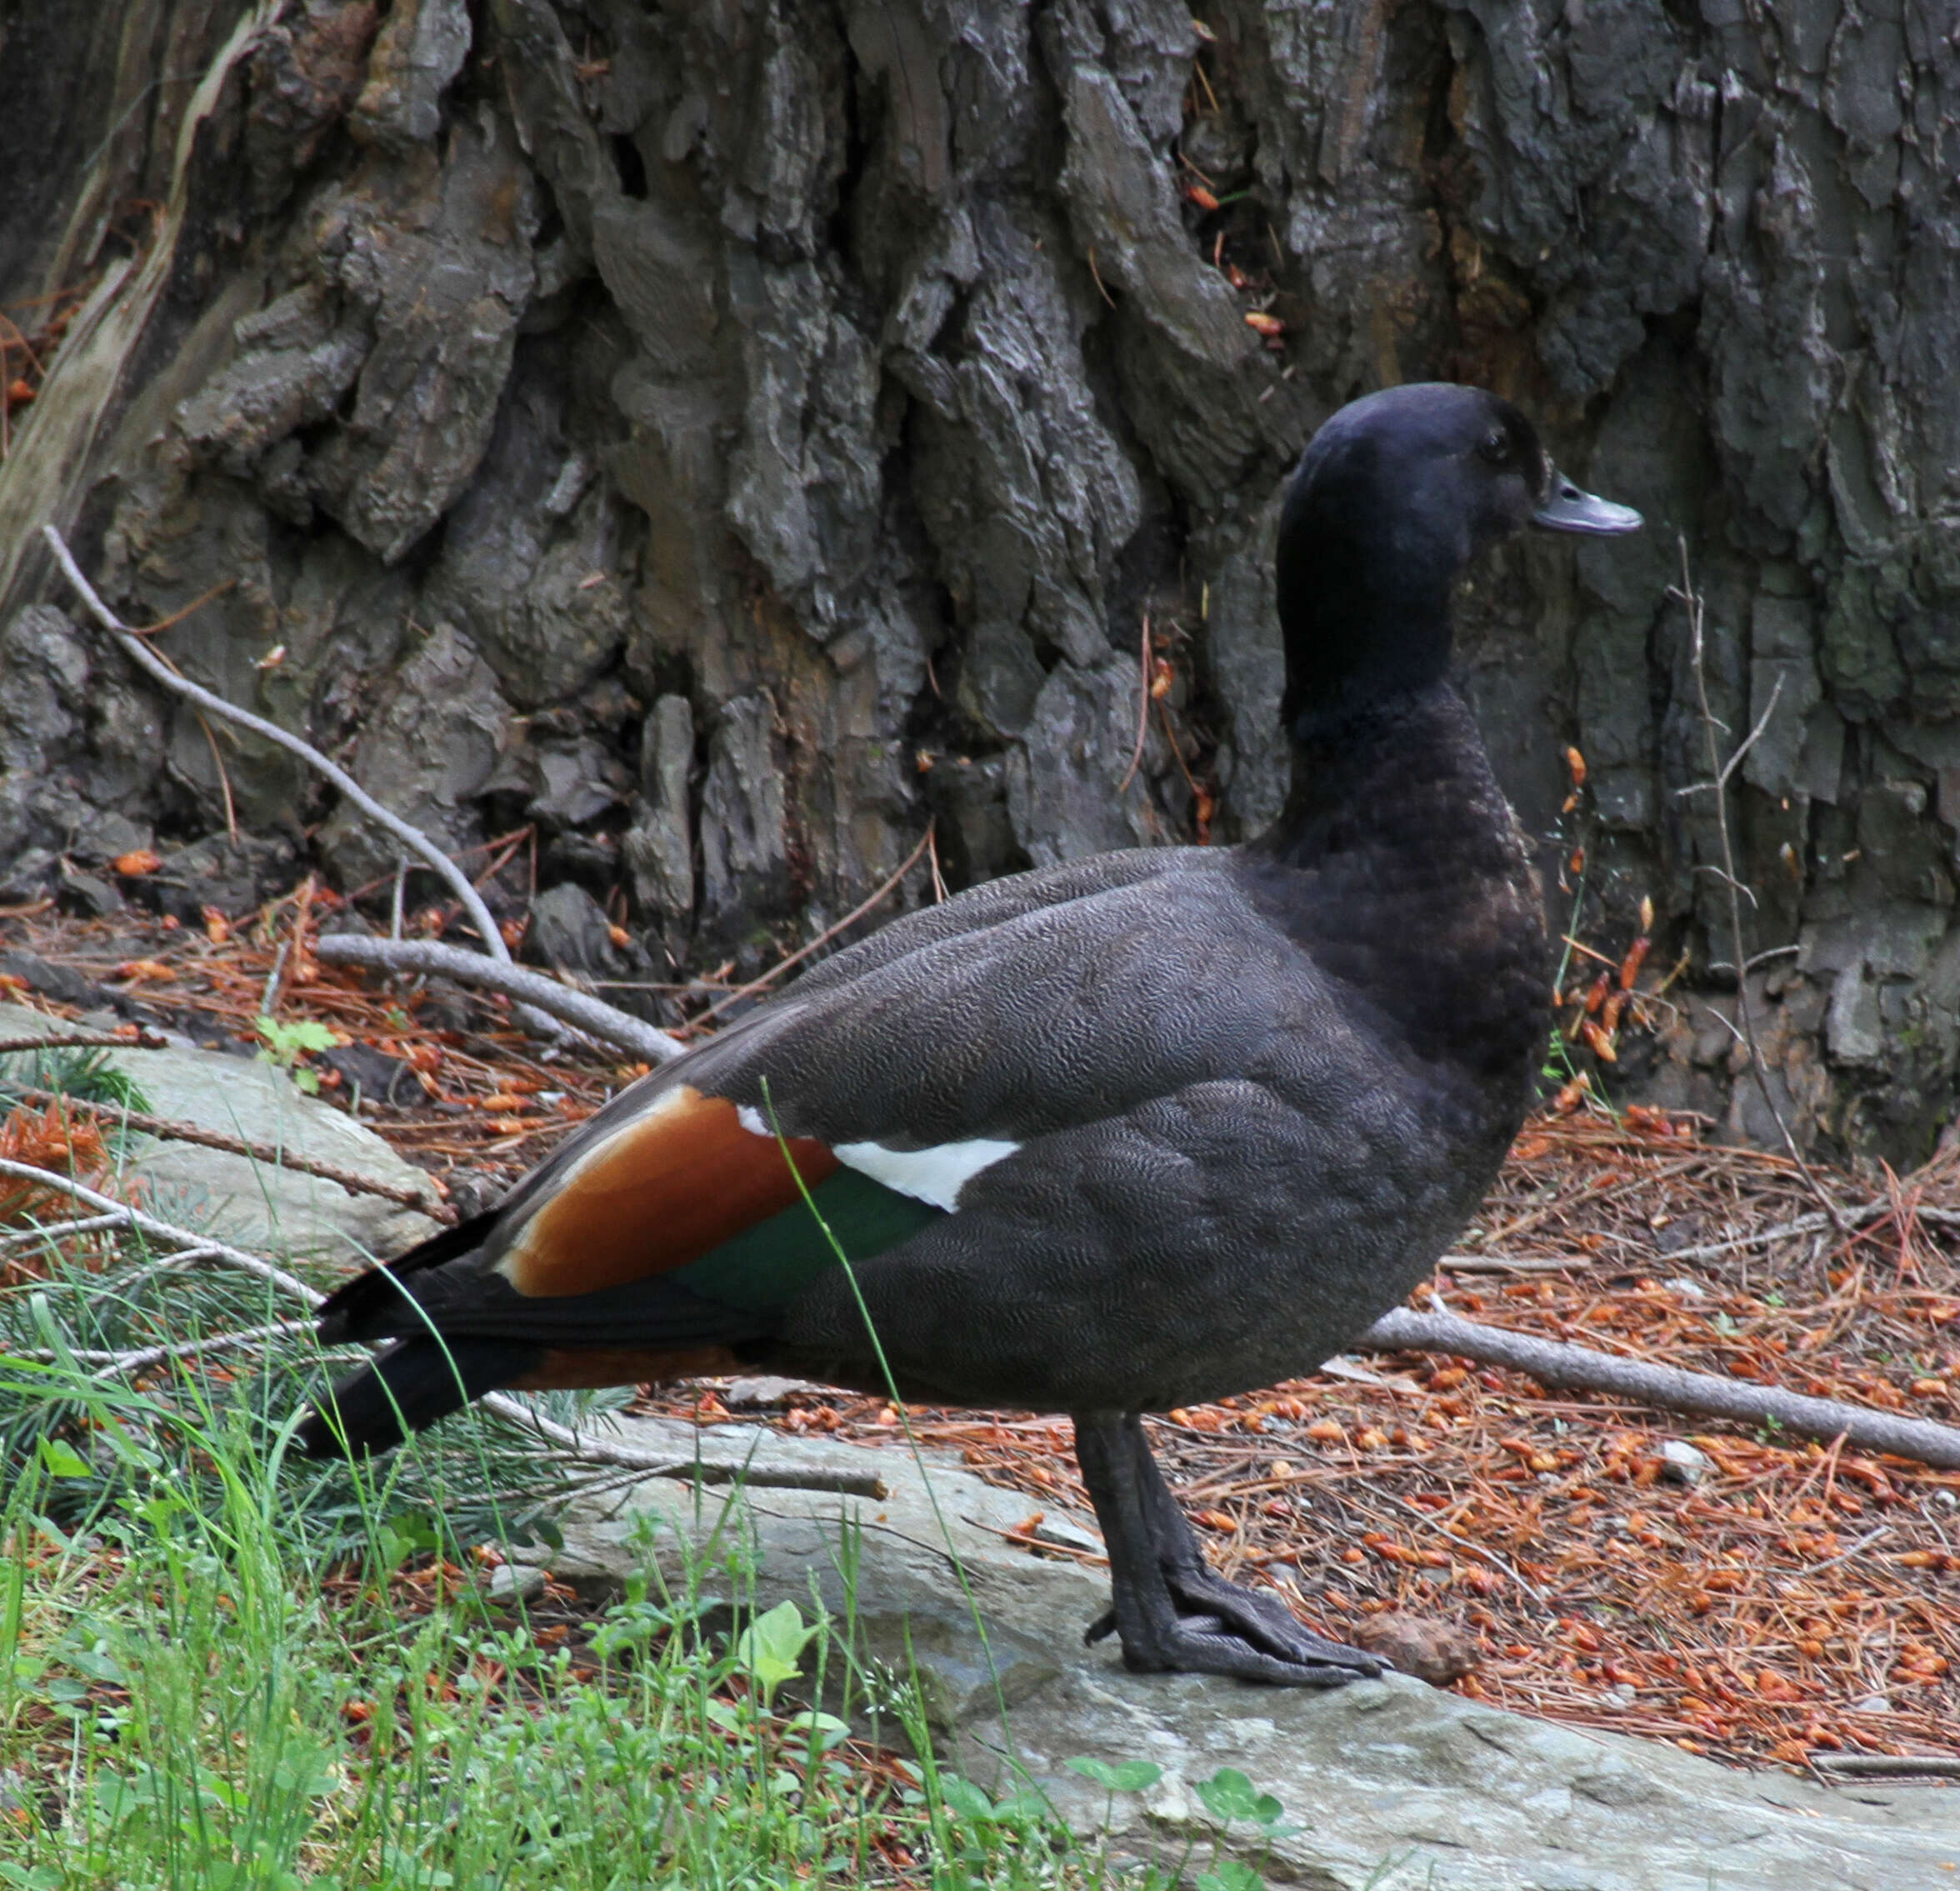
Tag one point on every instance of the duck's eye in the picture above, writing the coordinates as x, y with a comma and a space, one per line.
1495, 446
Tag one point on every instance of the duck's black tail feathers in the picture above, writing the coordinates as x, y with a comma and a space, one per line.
411, 1385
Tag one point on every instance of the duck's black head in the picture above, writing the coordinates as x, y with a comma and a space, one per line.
1393, 499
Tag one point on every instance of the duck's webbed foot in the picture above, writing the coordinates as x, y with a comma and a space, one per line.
1173, 1612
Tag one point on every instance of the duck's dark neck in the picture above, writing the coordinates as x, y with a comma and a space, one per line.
1368, 776
1364, 613
1397, 865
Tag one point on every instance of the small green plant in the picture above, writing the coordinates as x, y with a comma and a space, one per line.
768, 1649
1125, 1776
1231, 1798
286, 1043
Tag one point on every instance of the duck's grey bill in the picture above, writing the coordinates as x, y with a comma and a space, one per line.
1568, 509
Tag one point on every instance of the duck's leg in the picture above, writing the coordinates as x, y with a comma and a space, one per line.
1173, 1611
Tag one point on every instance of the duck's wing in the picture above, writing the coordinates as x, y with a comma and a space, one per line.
670, 1231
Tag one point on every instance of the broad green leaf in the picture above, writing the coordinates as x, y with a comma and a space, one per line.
35, 1878
61, 1460
1022, 1808
965, 1800
301, 1034
767, 1649
812, 1722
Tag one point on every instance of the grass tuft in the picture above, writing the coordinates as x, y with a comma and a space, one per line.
221, 1668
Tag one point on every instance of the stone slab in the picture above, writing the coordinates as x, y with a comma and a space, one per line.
1396, 1785
272, 1210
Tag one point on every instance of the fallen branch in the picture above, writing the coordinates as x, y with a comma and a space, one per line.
153, 666
422, 1200
593, 1016
1887, 1766
1555, 1363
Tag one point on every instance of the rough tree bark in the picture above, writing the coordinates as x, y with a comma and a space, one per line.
726, 435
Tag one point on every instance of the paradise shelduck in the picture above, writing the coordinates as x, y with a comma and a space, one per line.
1127, 1134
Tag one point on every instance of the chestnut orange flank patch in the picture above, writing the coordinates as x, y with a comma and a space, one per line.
664, 1189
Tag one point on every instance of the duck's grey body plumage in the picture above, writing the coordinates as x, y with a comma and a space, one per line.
1110, 1137
1304, 1162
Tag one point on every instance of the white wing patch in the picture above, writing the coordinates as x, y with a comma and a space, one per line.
935, 1175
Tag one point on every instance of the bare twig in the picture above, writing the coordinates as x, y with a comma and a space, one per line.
273, 1158
1857, 1548
224, 775
1480, 1551
1846, 1221
272, 985
1886, 1766
1554, 1363
939, 894
1097, 274
423, 956
828, 934
60, 1231
1719, 774
177, 1132
1721, 778
590, 1015
413, 838
1142, 713
162, 1230
184, 611
117, 1365
9, 1046
170, 1263
1515, 1263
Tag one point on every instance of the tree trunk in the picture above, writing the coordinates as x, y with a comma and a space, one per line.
723, 438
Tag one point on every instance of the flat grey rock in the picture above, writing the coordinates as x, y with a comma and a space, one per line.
1396, 1785
272, 1210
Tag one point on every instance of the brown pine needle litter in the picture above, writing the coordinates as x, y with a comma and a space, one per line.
1747, 1597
